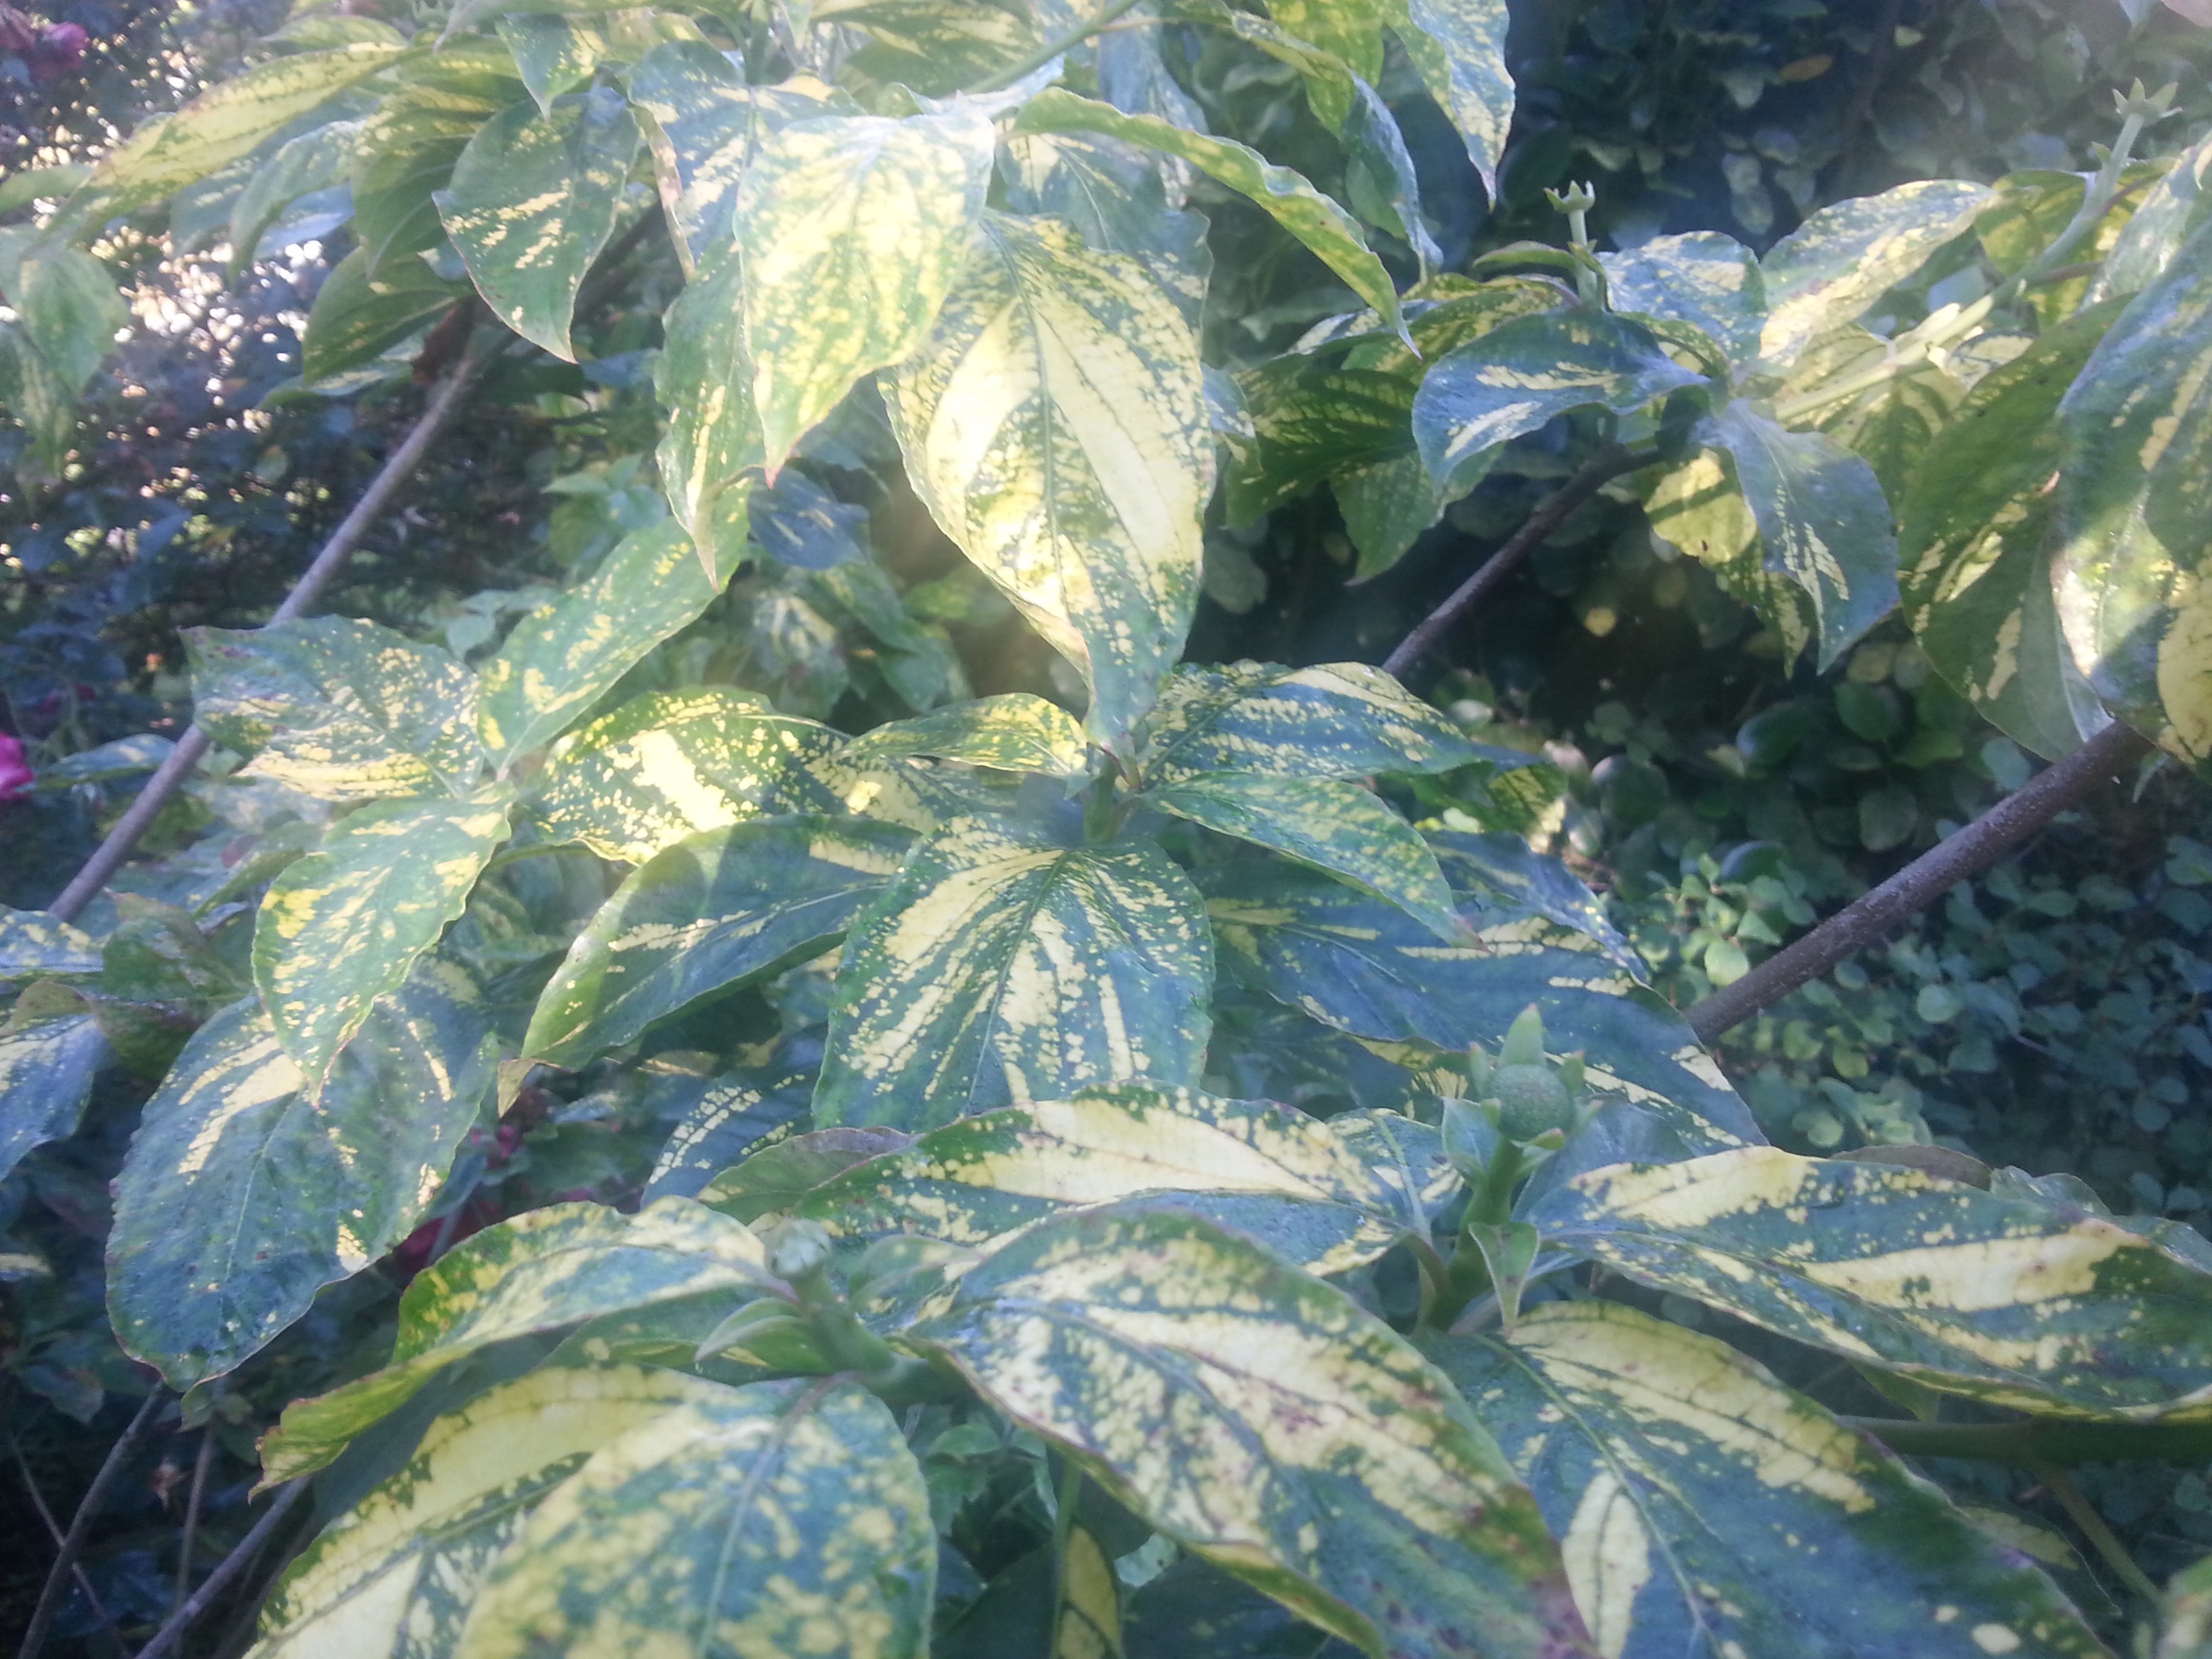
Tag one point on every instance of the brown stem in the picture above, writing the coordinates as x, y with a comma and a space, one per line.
88, 1511
54, 1531
170, 776
1608, 464
1921, 883
226, 1569
192, 1518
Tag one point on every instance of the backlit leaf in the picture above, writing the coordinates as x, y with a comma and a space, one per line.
1697, 506
710, 455
1262, 1420
1330, 823
341, 927
1265, 1170
2135, 494
1343, 719
398, 1571
356, 317
1110, 193
851, 231
1016, 732
46, 1068
248, 1190
542, 1270
2006, 1297
338, 708
1524, 371
1002, 968
1841, 259
1889, 425
561, 659
532, 201
319, 159
66, 303
1286, 197
778, 1518
714, 910
1702, 1507
1055, 425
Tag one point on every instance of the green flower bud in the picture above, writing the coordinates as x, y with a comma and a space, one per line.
1531, 1101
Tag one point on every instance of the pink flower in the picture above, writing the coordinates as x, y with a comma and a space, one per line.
15, 770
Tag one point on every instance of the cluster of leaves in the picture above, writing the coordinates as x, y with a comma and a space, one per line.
981, 1277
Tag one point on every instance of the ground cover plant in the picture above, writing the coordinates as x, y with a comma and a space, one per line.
986, 1288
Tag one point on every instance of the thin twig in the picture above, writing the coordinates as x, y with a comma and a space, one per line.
226, 1568
1066, 40
170, 775
2083, 1514
192, 1516
88, 1511
2036, 1442
1608, 464
54, 1531
1927, 878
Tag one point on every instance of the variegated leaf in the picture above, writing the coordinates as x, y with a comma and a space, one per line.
1823, 521
399, 1572
341, 927
357, 317
532, 201
1974, 542
317, 160
1890, 425
2135, 494
1842, 258
732, 1116
778, 1518
1285, 197
1015, 733
248, 1190
406, 152
1500, 870
935, 47
673, 763
1697, 506
35, 945
50, 1048
1701, 1507
224, 123
1366, 967
338, 708
561, 659
2007, 1297
1703, 278
711, 454
1265, 1170
715, 909
1330, 824
1263, 1420
1341, 719
2154, 233
1055, 423
1459, 48
1112, 195
851, 230
1517, 377
541, 1271
1002, 966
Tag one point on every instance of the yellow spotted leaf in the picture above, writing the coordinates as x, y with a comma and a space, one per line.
777, 1518
1055, 425
46, 1069
1015, 733
1338, 720
1002, 966
1701, 1507
1262, 1420
710, 456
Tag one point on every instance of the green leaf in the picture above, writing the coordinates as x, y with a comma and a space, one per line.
935, 47
1001, 968
1366, 967
2006, 1297
67, 305
672, 763
1262, 1169
1697, 506
561, 659
774, 1178
1055, 425
1517, 377
248, 1190
851, 230
1889, 425
541, 1271
34, 394
34, 945
2154, 233
160, 955
1386, 506
48, 1056
321, 159
735, 1115
1703, 278
710, 455
779, 1518
2134, 491
1015, 733
356, 319
399, 1571
1501, 868
1702, 1507
227, 121
1341, 719
1265, 1422
712, 911
1844, 257
1330, 823
532, 201
407, 151
1111, 194
1974, 542
1459, 48
1823, 521
341, 927
1285, 197
337, 708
